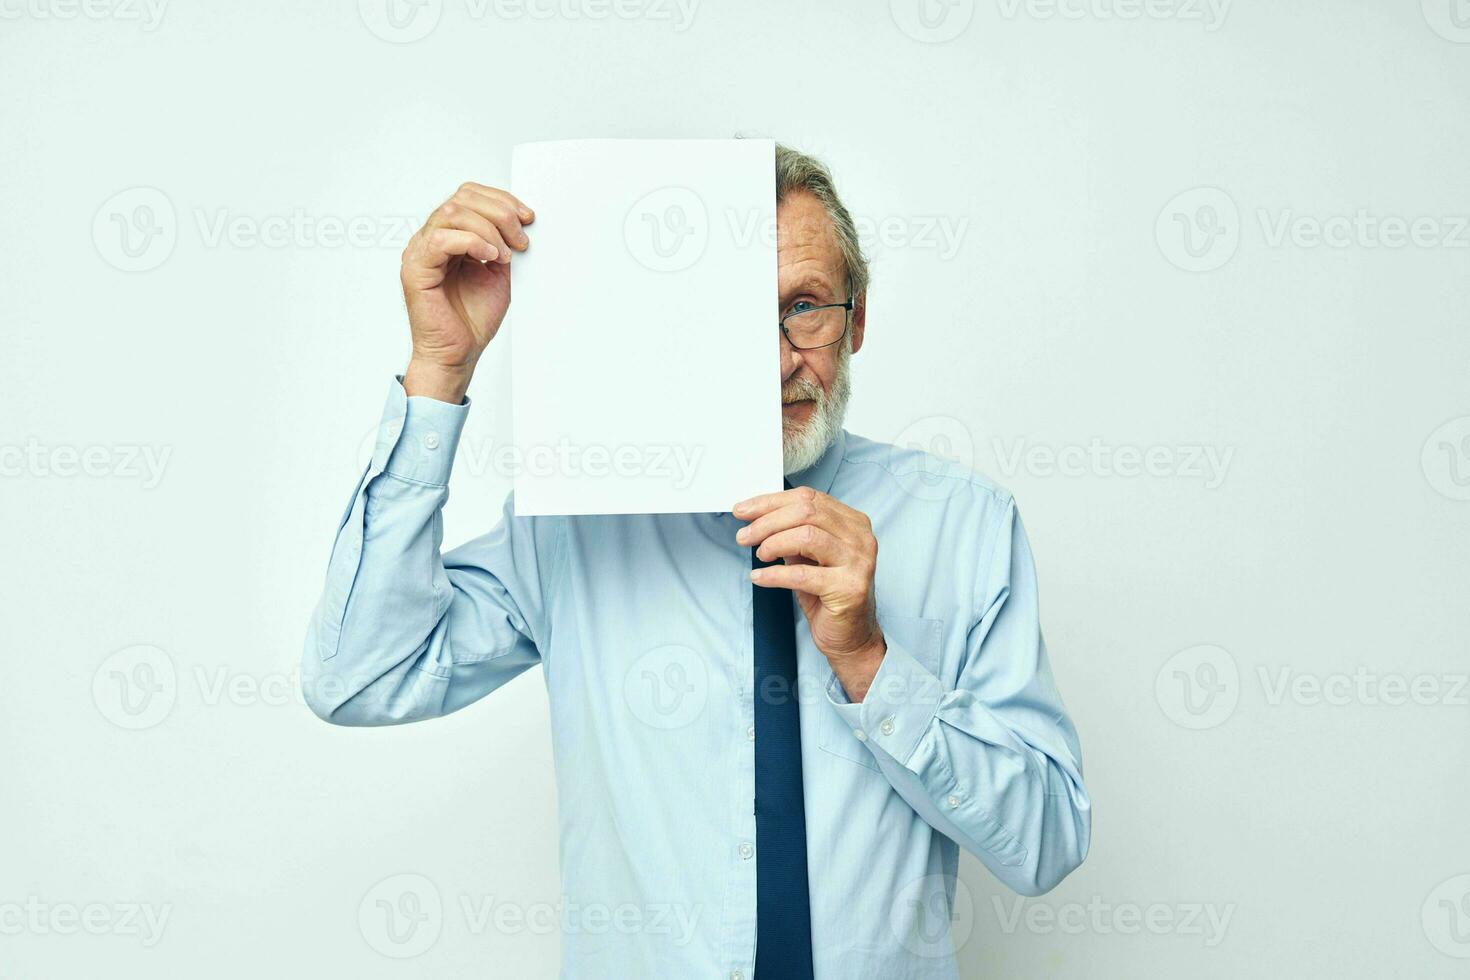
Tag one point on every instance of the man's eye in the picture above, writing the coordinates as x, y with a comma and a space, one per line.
801, 306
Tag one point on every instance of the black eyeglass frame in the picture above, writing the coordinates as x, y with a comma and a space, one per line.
846, 321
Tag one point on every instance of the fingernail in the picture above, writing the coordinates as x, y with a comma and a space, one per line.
741, 535
755, 574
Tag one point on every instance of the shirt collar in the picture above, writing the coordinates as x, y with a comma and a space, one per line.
819, 475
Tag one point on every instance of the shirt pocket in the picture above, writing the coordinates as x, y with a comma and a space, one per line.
921, 637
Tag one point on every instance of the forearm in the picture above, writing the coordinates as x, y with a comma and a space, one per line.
385, 644
1022, 811
1009, 793
856, 672
443, 383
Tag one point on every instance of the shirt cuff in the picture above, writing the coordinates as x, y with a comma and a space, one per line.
417, 437
899, 707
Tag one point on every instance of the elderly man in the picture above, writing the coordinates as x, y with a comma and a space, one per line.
771, 738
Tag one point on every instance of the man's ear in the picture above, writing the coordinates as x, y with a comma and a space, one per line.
859, 320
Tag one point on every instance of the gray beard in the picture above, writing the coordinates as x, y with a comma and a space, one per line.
802, 446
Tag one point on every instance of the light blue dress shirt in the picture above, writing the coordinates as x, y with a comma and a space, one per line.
642, 626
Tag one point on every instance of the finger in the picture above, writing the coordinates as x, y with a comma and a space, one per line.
838, 510
499, 212
503, 194
765, 503
792, 515
494, 197
456, 216
812, 579
806, 541
432, 248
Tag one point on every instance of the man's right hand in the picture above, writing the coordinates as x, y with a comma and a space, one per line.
456, 283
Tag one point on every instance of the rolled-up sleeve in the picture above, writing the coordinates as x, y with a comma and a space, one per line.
992, 762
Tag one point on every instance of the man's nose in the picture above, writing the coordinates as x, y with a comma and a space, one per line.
790, 357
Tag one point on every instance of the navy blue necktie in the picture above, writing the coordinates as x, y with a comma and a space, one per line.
783, 944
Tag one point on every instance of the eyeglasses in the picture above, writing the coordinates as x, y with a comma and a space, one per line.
809, 327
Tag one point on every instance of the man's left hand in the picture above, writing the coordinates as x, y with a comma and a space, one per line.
830, 556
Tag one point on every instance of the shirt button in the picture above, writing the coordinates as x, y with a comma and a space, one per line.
747, 851
887, 727
431, 441
736, 975
859, 734
750, 733
954, 802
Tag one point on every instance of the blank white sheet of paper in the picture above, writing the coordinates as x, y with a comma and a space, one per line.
645, 364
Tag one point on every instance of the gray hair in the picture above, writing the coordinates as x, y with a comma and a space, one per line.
795, 171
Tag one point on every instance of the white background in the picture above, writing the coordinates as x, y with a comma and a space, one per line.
1054, 145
